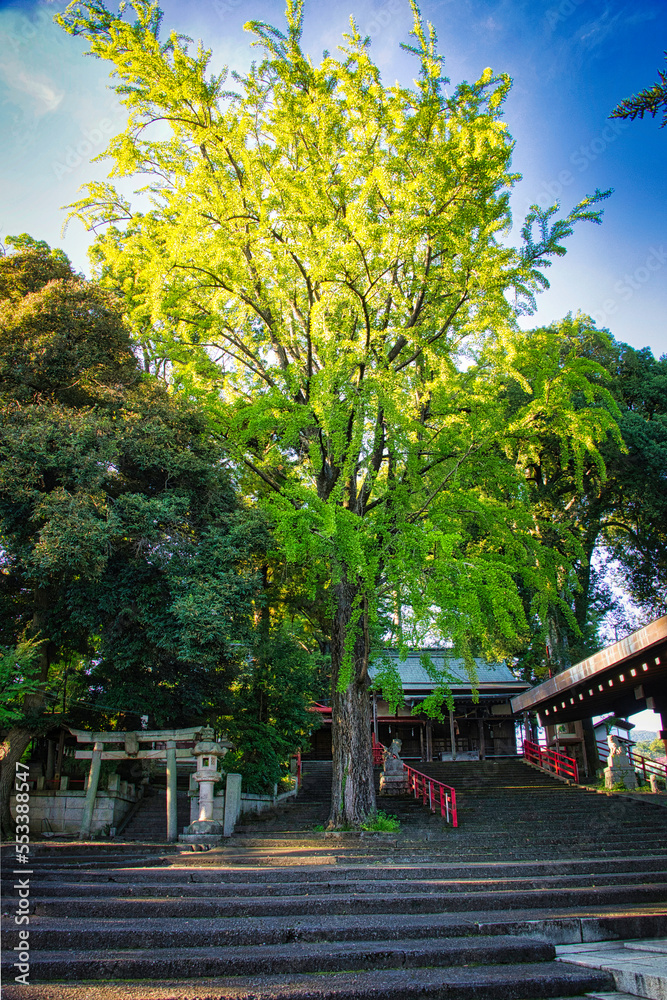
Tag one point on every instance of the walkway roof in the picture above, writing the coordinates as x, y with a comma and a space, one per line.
618, 679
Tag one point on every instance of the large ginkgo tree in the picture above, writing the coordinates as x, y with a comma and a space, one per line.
324, 260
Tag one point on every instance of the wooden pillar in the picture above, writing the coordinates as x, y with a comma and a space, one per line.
429, 740
452, 733
172, 821
482, 744
61, 755
375, 716
50, 759
91, 792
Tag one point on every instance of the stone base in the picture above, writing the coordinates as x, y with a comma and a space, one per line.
393, 784
616, 775
200, 838
206, 827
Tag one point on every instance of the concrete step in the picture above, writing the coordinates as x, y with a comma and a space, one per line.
350, 885
495, 982
187, 868
568, 926
266, 959
637, 967
343, 903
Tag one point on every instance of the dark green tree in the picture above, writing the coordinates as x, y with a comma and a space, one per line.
603, 517
121, 535
648, 101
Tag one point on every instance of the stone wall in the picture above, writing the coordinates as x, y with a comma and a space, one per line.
62, 811
250, 802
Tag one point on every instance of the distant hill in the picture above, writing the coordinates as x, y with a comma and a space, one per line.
642, 736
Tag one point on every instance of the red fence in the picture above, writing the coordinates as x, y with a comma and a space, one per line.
378, 751
433, 793
551, 760
640, 763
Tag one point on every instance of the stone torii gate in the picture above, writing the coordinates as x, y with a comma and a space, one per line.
130, 750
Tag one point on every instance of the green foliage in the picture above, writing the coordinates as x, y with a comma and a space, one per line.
382, 823
116, 513
651, 748
19, 676
600, 516
647, 101
324, 265
268, 717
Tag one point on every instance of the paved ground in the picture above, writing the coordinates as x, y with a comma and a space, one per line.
638, 967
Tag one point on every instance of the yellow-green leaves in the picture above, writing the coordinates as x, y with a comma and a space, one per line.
321, 265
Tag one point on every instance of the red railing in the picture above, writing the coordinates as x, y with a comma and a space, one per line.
551, 760
640, 763
433, 793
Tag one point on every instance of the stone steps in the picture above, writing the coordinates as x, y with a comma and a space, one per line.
359, 885
639, 968
150, 820
266, 959
567, 927
427, 912
186, 869
376, 903
492, 982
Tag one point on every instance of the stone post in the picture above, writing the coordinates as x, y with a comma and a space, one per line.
91, 792
172, 821
232, 803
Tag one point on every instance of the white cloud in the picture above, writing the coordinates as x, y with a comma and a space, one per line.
41, 93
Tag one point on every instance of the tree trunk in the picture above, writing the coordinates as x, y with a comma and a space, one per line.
353, 789
14, 746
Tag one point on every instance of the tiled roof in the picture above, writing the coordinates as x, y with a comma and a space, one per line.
413, 674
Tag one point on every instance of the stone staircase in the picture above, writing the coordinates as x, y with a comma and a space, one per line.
282, 911
149, 822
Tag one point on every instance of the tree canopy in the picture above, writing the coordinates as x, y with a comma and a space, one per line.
121, 534
324, 264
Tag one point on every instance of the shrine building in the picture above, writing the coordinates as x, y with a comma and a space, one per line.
480, 726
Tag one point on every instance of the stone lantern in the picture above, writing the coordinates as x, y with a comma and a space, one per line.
207, 752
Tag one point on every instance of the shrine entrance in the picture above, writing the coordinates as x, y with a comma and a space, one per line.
170, 745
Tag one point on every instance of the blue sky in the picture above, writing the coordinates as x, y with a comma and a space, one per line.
571, 62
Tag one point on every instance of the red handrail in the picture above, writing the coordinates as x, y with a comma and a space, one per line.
551, 760
433, 792
646, 765
378, 751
